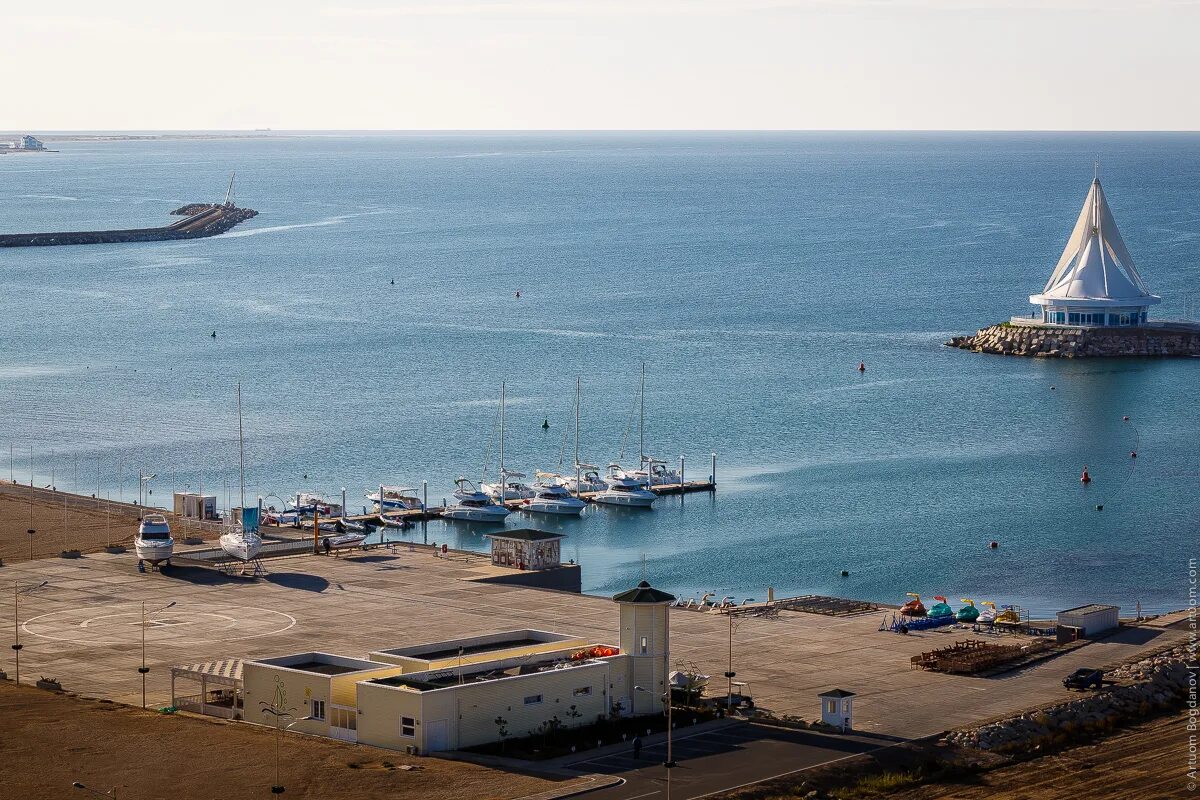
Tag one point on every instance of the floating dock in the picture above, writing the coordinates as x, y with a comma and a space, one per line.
201, 220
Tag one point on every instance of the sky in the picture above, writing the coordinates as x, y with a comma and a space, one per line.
600, 64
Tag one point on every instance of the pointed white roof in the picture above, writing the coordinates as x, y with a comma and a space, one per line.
1095, 266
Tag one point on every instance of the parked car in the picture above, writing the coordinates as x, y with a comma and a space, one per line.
1085, 678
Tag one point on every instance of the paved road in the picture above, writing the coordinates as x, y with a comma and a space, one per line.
715, 761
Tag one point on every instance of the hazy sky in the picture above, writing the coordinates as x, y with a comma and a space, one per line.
593, 64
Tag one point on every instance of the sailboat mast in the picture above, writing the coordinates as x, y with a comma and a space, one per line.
503, 474
642, 419
241, 445
577, 419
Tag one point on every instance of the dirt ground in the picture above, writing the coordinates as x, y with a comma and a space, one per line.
64, 522
1147, 762
50, 740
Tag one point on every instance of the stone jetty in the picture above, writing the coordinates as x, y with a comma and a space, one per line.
1166, 339
201, 219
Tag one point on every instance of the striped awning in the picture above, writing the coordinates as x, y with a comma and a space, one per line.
226, 672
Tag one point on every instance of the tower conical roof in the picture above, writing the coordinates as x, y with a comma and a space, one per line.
1095, 265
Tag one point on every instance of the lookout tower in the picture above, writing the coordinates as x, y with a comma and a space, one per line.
645, 638
1095, 282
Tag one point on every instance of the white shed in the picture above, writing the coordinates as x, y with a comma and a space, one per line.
1090, 619
837, 708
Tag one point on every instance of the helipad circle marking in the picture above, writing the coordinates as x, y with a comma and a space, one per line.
103, 625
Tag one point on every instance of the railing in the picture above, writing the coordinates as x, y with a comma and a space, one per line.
211, 706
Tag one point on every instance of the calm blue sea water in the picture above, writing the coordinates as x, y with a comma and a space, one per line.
750, 272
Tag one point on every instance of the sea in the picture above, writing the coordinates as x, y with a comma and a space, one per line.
370, 315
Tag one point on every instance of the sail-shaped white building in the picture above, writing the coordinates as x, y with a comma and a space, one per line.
1096, 282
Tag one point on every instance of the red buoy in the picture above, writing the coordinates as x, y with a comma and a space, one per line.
1085, 478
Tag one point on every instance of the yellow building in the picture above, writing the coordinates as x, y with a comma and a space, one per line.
459, 693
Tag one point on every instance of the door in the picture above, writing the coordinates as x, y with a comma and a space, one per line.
437, 736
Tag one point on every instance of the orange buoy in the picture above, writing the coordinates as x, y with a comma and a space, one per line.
1085, 478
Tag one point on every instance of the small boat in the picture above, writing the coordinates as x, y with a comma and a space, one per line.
395, 498
655, 473
914, 607
391, 522
622, 490
472, 505
589, 480
968, 613
346, 540
941, 608
309, 503
243, 541
551, 497
988, 616
154, 542
690, 681
1009, 615
507, 488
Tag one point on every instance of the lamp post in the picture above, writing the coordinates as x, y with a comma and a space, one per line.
17, 646
110, 793
669, 764
280, 714
143, 669
143, 498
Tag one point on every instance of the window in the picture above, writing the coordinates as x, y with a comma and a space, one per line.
318, 709
645, 645
533, 699
408, 727
582, 691
1073, 318
831, 707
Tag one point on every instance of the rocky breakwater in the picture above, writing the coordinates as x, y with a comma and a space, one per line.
1152, 684
1040, 341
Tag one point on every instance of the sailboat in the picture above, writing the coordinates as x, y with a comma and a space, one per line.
473, 505
509, 486
650, 470
243, 541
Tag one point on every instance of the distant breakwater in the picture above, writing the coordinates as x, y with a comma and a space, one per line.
1170, 340
202, 219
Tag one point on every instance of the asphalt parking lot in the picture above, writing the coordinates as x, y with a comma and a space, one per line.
718, 760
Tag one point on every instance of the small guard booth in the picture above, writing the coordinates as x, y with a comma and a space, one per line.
526, 549
837, 709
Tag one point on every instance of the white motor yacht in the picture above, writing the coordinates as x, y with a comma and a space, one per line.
511, 485
622, 490
472, 505
154, 542
589, 480
655, 473
395, 498
551, 497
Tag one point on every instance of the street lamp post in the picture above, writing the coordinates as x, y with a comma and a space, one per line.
112, 793
143, 669
17, 646
669, 764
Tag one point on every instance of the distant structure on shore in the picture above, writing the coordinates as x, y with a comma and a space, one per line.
1095, 283
24, 143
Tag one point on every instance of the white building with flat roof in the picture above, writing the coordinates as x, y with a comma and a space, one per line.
1095, 283
457, 693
